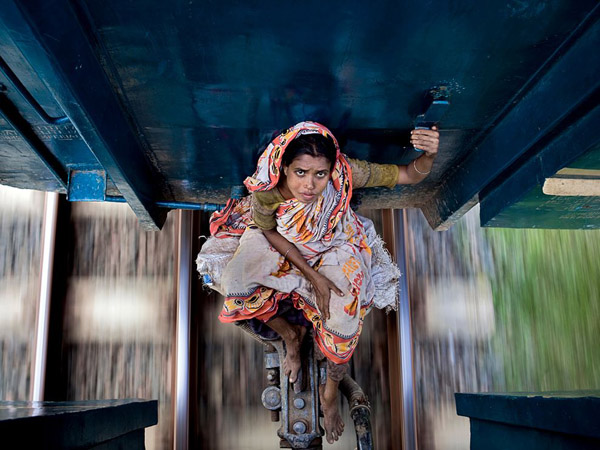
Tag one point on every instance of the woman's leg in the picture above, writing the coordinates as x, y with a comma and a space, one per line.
292, 335
328, 394
334, 425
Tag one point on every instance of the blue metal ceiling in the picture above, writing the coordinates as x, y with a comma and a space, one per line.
173, 101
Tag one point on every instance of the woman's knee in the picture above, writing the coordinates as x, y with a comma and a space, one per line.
336, 372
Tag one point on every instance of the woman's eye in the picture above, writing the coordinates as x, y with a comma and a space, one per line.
321, 174
299, 172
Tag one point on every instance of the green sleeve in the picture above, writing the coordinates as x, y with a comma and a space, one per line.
367, 174
264, 206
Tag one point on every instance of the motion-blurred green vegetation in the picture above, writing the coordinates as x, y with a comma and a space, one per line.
546, 286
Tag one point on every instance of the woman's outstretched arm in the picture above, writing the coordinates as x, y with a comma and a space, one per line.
428, 141
321, 284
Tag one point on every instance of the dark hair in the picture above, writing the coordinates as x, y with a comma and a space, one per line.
310, 144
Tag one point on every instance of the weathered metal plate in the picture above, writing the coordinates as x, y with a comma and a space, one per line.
201, 87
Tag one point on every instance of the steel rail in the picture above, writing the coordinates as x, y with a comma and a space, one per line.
38, 369
182, 343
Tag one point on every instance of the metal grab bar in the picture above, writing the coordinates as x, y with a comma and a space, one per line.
9, 111
173, 205
29, 98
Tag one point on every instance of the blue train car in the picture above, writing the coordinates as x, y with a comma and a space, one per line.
167, 105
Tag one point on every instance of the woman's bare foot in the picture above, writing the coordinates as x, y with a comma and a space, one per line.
334, 425
292, 335
293, 343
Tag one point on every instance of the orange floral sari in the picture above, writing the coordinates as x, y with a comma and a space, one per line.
328, 234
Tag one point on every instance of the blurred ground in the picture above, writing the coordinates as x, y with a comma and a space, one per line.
493, 310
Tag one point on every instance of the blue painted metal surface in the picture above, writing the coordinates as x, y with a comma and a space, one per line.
175, 100
87, 186
21, 126
76, 424
437, 108
28, 97
538, 210
517, 201
530, 421
561, 94
85, 93
61, 145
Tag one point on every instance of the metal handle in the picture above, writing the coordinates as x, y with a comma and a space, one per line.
28, 97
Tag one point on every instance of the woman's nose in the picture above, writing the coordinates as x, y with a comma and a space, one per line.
310, 184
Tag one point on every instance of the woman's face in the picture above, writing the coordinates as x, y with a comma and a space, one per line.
306, 178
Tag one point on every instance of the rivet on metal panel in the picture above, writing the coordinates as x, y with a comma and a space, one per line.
299, 403
299, 427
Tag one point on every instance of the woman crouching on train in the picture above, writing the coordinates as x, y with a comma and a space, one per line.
299, 256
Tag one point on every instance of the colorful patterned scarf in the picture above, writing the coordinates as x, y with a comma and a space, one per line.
229, 221
327, 233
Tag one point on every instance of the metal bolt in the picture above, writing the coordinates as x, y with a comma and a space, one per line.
299, 427
271, 398
299, 403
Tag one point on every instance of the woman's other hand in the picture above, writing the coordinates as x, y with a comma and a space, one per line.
321, 284
323, 287
426, 140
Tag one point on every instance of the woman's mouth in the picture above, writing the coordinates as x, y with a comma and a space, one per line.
308, 197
